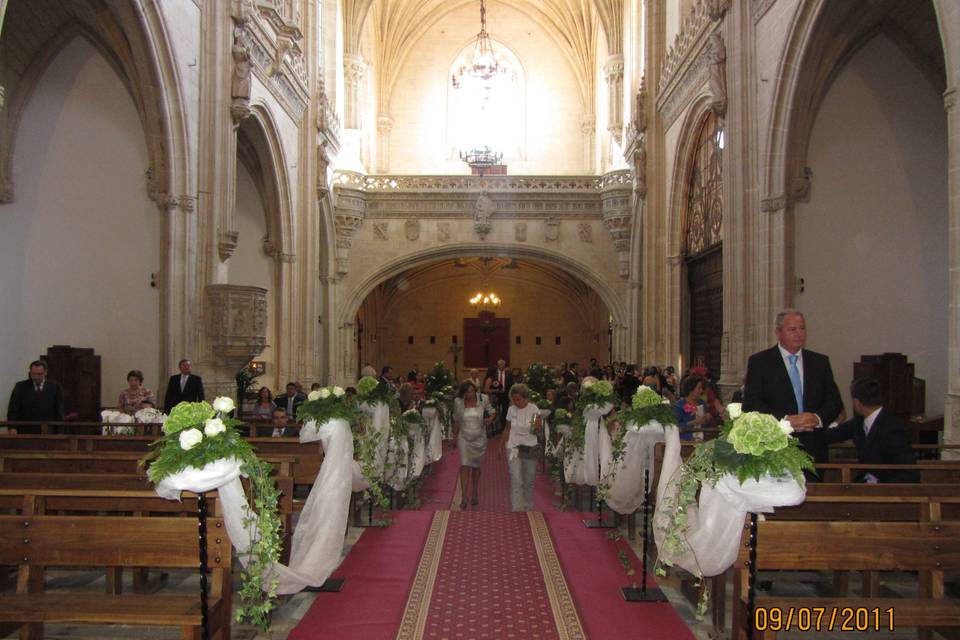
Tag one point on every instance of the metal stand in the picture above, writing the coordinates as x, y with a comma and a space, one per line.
752, 584
598, 523
370, 523
202, 534
332, 585
644, 593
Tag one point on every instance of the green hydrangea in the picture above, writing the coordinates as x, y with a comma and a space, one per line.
366, 385
756, 433
603, 388
186, 415
562, 416
646, 397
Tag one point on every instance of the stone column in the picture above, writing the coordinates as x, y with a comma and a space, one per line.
952, 407
384, 127
618, 219
588, 129
353, 70
348, 215
613, 70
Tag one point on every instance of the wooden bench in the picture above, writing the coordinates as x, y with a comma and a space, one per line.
36, 542
930, 548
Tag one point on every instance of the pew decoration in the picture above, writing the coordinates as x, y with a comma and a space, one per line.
440, 385
200, 451
582, 446
434, 412
752, 467
631, 451
113, 416
539, 378
150, 416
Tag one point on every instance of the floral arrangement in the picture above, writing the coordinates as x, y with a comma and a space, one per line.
197, 434
150, 416
539, 401
438, 378
647, 406
562, 416
412, 417
594, 393
111, 415
327, 403
372, 391
750, 445
539, 377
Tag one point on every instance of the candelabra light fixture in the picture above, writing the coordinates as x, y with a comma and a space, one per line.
483, 64
483, 300
481, 158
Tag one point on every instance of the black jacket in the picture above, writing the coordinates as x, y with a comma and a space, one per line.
192, 392
887, 443
27, 405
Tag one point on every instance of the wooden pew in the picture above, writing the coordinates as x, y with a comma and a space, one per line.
35, 542
930, 548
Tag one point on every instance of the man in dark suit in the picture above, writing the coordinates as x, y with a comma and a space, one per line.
880, 437
497, 385
790, 381
290, 401
184, 387
279, 421
35, 399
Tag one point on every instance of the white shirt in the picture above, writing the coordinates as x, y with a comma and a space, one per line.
519, 420
183, 381
869, 420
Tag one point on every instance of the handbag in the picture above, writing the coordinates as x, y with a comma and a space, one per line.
528, 451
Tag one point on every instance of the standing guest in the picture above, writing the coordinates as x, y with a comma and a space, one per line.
595, 369
495, 385
419, 385
135, 394
669, 387
183, 387
688, 408
568, 399
35, 399
412, 374
880, 436
386, 377
517, 374
630, 383
571, 375
263, 409
651, 378
472, 413
368, 372
291, 401
523, 423
406, 397
789, 381
279, 422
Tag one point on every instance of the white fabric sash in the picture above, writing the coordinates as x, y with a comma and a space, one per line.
435, 446
586, 469
625, 493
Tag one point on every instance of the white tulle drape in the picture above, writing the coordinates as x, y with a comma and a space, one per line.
435, 445
318, 536
715, 524
585, 469
625, 479
379, 414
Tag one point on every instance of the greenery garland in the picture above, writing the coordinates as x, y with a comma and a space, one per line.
750, 445
438, 378
326, 404
366, 444
197, 434
539, 377
372, 391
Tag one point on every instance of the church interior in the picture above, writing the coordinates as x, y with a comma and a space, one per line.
445, 199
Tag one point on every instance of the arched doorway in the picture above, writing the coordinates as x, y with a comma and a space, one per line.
702, 248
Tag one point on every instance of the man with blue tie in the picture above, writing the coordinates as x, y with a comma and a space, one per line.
789, 381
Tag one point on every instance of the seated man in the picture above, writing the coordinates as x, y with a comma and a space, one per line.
279, 423
880, 437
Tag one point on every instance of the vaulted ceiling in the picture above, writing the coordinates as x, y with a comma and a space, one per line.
574, 25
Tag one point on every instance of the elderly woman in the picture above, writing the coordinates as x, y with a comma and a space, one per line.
523, 423
471, 415
135, 394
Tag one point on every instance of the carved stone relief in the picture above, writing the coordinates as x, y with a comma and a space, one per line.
717, 59
412, 229
236, 322
443, 231
483, 210
520, 231
381, 231
552, 230
585, 231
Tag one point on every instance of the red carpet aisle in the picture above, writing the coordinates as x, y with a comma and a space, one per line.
494, 575
595, 576
439, 485
495, 483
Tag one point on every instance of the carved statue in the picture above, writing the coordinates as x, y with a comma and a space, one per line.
483, 210
640, 167
717, 58
640, 108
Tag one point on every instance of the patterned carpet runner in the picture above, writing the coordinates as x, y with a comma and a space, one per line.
490, 575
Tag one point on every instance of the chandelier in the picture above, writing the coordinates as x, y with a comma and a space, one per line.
483, 63
481, 158
483, 301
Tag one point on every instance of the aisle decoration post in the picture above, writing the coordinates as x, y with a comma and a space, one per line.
587, 437
752, 467
201, 450
440, 385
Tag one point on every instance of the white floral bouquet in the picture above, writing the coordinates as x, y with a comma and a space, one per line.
595, 393
327, 403
111, 415
150, 416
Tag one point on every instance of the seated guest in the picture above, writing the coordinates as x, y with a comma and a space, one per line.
279, 422
291, 401
406, 397
135, 394
689, 407
35, 399
315, 386
651, 378
263, 409
880, 436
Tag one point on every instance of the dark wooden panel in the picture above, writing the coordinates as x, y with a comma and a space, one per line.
705, 282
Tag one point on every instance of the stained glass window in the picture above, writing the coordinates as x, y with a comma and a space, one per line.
703, 218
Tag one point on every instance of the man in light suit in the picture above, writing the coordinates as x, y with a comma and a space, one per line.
184, 387
880, 436
35, 399
789, 381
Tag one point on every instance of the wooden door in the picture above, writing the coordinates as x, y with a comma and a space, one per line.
705, 282
485, 340
78, 373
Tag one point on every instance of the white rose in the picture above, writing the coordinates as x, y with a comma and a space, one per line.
338, 392
313, 395
213, 427
223, 404
189, 438
734, 410
324, 393
588, 382
785, 426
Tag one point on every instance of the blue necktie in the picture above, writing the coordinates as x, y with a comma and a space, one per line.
794, 372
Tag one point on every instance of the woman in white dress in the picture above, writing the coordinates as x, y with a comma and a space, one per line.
523, 424
471, 415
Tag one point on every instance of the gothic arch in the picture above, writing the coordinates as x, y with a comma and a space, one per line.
260, 132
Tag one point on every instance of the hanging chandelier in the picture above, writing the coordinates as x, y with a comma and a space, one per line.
483, 300
483, 64
481, 158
